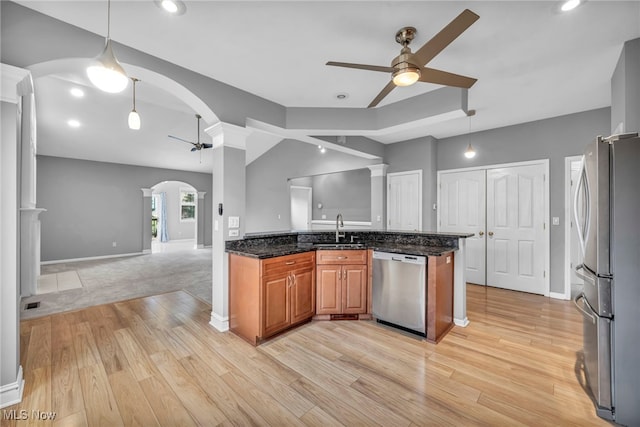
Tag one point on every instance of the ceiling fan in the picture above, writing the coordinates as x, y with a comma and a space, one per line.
408, 68
196, 145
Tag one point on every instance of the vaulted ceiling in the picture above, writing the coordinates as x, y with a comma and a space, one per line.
531, 62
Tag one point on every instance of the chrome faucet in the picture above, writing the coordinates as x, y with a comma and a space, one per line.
339, 223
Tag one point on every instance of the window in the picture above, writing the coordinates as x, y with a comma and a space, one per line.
187, 205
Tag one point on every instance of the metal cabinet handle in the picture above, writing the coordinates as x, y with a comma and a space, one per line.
481, 233
342, 257
290, 262
490, 233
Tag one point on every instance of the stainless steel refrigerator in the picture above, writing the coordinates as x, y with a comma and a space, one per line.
607, 213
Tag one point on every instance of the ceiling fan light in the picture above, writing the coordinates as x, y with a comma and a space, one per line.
134, 120
406, 76
570, 5
106, 73
470, 153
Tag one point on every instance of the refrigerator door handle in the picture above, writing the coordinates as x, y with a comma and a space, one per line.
584, 312
582, 227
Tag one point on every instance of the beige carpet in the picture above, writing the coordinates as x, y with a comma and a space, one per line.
70, 286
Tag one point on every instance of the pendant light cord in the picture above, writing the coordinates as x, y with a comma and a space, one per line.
108, 19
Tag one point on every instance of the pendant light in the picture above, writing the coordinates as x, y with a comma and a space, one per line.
134, 117
470, 152
105, 72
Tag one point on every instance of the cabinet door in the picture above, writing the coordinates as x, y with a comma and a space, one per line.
329, 293
354, 289
302, 296
276, 304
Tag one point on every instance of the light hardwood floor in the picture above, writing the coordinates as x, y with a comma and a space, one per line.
156, 361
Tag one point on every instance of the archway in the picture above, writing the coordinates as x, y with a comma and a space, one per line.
174, 217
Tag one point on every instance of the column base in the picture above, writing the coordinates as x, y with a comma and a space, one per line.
461, 322
10, 394
219, 322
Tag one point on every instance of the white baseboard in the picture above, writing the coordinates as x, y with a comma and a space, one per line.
10, 394
146, 251
461, 322
90, 258
219, 322
201, 246
558, 295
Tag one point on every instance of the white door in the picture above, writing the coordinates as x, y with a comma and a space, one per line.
515, 228
462, 210
300, 208
404, 201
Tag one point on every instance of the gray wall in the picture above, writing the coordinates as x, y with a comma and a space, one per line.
552, 139
348, 193
92, 204
625, 89
177, 230
268, 203
417, 154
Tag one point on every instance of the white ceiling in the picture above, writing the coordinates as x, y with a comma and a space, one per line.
531, 61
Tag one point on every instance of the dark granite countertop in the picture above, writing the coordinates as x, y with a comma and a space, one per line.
269, 245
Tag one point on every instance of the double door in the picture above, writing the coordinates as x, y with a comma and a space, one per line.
342, 282
504, 208
289, 298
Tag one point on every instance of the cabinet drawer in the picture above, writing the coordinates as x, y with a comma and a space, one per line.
341, 257
288, 263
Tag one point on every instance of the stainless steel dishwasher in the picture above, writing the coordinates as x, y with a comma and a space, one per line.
399, 291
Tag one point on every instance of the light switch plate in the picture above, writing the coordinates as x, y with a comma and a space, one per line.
234, 222
234, 233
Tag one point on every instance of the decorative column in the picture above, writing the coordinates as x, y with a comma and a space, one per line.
147, 193
378, 196
11, 378
460, 285
228, 200
200, 220
29, 214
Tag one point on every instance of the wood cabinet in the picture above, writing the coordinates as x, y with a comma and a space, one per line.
342, 282
271, 295
439, 296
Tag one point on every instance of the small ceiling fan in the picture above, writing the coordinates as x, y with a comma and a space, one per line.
409, 68
196, 145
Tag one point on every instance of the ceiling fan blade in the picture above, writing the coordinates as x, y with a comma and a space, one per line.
207, 145
362, 66
431, 75
194, 149
448, 34
384, 92
180, 139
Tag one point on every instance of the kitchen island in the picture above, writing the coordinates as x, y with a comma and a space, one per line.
280, 280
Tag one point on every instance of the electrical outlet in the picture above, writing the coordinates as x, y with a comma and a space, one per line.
114, 244
234, 233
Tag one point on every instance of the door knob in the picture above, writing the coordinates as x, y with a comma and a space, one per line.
481, 233
490, 233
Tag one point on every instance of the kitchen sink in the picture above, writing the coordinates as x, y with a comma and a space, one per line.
339, 245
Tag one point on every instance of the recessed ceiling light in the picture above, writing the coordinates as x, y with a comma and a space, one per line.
73, 123
570, 5
77, 92
342, 96
174, 7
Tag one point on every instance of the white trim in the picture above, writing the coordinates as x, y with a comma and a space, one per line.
200, 246
11, 393
309, 191
228, 135
547, 230
146, 251
378, 170
558, 295
496, 166
219, 322
11, 76
201, 194
567, 225
147, 192
391, 175
329, 222
462, 323
90, 258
